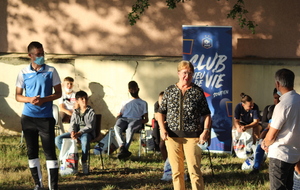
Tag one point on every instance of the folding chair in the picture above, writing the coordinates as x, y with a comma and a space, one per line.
141, 133
22, 145
98, 136
146, 139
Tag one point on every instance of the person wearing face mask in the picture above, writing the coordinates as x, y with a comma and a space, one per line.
42, 85
282, 140
67, 102
133, 115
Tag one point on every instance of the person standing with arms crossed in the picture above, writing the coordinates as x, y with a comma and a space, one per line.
282, 139
38, 81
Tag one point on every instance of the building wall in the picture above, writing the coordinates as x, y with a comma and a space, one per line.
105, 79
101, 27
93, 42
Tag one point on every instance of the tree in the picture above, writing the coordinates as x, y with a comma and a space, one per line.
238, 12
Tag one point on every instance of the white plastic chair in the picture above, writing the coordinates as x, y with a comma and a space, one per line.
58, 123
146, 139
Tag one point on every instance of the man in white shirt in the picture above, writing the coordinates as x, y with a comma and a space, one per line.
282, 141
133, 114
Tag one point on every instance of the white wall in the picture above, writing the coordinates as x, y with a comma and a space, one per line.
105, 79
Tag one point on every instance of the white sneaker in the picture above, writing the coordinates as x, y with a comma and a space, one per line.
85, 168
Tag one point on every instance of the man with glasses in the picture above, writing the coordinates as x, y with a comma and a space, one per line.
38, 81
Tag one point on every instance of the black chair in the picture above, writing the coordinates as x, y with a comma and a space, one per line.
98, 137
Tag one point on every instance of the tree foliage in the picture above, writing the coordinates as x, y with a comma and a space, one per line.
238, 12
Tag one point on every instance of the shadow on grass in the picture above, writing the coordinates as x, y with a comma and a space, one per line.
236, 179
121, 178
14, 169
138, 173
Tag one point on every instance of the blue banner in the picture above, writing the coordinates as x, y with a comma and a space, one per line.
209, 49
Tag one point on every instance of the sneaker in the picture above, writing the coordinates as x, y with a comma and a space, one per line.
123, 149
85, 168
124, 153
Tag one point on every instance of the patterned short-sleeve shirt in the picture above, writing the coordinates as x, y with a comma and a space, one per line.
183, 112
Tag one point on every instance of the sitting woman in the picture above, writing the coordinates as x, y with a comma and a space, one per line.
246, 117
268, 111
266, 119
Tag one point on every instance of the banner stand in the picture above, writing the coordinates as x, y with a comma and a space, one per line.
209, 49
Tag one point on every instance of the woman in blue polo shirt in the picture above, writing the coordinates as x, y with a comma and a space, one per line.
246, 117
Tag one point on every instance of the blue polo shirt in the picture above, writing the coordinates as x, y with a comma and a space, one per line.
38, 83
241, 114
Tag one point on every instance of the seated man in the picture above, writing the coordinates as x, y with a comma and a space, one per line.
82, 127
133, 114
67, 101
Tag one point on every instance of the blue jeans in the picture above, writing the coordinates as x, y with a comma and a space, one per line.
259, 157
85, 139
281, 175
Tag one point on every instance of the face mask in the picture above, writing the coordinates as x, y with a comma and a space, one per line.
203, 146
135, 94
67, 90
279, 93
40, 60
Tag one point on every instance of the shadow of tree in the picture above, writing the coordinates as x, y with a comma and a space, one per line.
9, 119
3, 30
79, 26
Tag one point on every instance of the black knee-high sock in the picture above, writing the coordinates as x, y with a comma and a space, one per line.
52, 170
36, 172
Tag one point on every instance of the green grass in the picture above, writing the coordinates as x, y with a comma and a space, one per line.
135, 173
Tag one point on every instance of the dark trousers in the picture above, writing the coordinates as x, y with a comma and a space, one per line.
32, 129
281, 175
35, 127
156, 135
